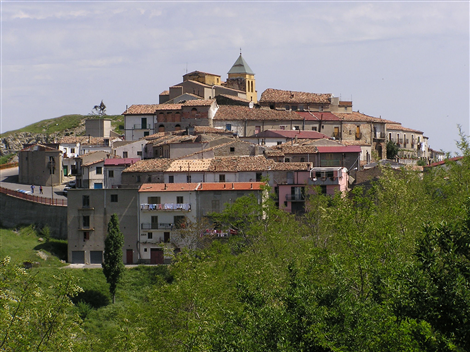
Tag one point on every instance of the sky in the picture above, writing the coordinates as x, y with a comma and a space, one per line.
406, 61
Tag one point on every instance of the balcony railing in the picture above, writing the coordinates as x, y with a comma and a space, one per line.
166, 206
141, 126
295, 197
149, 226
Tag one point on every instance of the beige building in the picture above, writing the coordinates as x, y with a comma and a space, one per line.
88, 215
40, 165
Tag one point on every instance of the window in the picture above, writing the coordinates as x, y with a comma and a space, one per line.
106, 142
287, 160
85, 201
150, 235
72, 150
139, 153
188, 179
114, 198
154, 200
124, 154
221, 178
86, 221
215, 206
297, 128
146, 133
232, 149
111, 173
314, 128
166, 237
279, 143
228, 127
179, 200
259, 175
294, 107
99, 170
171, 179
257, 129
138, 178
302, 160
86, 236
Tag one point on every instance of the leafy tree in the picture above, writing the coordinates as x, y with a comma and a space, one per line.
392, 150
33, 318
113, 266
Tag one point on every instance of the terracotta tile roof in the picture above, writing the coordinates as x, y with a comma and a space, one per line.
161, 107
198, 102
72, 139
141, 109
150, 165
292, 166
120, 161
345, 142
356, 116
345, 103
234, 97
205, 73
399, 127
156, 135
273, 152
290, 134
292, 97
298, 149
167, 187
207, 149
230, 186
171, 139
339, 149
240, 163
203, 186
93, 162
235, 112
197, 165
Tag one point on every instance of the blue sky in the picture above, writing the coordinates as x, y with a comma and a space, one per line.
406, 61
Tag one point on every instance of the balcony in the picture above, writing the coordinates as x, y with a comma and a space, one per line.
141, 126
295, 197
149, 226
379, 135
166, 207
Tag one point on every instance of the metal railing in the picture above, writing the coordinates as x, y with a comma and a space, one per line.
32, 198
140, 126
295, 197
166, 206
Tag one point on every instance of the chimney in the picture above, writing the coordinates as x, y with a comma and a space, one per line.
233, 186
165, 186
251, 186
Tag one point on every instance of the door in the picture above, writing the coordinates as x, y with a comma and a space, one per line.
144, 123
66, 170
156, 256
129, 256
78, 257
96, 257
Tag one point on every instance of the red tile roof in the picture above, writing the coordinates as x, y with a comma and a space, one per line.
292, 97
325, 116
203, 186
150, 165
167, 187
235, 112
141, 109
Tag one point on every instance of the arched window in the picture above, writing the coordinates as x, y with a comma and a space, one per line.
193, 112
161, 128
177, 127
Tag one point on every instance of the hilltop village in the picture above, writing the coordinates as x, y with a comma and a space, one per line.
205, 144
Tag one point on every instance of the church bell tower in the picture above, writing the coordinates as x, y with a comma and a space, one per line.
241, 77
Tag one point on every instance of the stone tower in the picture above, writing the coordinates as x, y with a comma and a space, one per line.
241, 77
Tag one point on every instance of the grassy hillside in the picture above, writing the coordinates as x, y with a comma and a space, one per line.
65, 122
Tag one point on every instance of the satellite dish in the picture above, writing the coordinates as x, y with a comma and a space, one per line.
251, 105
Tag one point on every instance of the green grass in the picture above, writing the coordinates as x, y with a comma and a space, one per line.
23, 245
6, 158
62, 123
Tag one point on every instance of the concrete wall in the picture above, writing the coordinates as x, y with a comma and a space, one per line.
15, 212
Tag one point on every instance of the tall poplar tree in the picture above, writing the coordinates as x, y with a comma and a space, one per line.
113, 266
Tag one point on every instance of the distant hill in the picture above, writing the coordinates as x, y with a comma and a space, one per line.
49, 131
65, 123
